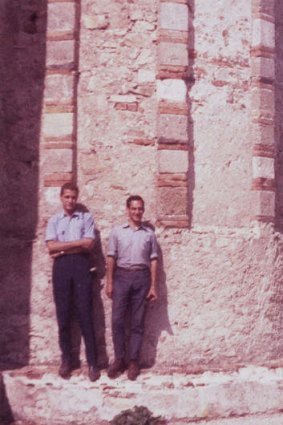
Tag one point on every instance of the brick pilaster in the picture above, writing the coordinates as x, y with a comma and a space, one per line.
172, 74
263, 74
58, 135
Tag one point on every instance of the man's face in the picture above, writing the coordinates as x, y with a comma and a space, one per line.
135, 212
69, 201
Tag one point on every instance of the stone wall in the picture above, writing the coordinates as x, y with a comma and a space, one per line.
173, 100
278, 110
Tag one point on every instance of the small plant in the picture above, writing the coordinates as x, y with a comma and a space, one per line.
139, 415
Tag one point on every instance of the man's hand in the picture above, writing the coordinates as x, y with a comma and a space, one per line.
57, 254
152, 294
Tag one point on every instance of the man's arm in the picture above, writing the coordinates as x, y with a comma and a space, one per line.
111, 264
152, 293
57, 248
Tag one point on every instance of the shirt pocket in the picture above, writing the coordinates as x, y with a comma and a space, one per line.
76, 229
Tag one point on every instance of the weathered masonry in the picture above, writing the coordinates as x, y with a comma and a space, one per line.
180, 101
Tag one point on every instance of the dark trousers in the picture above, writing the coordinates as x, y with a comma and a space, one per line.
130, 290
72, 284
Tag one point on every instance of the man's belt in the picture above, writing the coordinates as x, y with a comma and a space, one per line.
132, 269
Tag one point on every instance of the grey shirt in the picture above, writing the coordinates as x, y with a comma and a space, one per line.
132, 247
64, 228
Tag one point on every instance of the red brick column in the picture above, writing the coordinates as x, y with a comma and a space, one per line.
58, 135
172, 184
263, 74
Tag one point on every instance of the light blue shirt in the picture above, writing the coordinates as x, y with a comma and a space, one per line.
132, 247
64, 228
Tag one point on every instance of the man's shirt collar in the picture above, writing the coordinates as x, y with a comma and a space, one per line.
142, 226
63, 214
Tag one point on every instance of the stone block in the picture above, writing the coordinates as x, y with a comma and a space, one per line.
145, 76
58, 125
265, 203
263, 34
51, 197
172, 90
93, 22
263, 167
263, 99
172, 201
61, 18
173, 127
263, 134
263, 68
174, 16
173, 54
266, 7
59, 87
60, 53
173, 161
56, 160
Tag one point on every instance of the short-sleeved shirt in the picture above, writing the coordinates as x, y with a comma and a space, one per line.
132, 247
64, 228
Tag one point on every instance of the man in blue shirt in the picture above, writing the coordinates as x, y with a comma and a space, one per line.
131, 279
70, 237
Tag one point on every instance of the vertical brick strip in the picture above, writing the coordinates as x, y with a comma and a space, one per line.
263, 75
173, 114
58, 134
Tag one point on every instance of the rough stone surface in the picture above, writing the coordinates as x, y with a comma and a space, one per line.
37, 394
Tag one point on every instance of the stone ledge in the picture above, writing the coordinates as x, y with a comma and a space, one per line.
60, 35
37, 393
173, 221
267, 151
173, 72
51, 107
263, 51
262, 183
166, 107
172, 36
172, 180
175, 1
57, 179
62, 1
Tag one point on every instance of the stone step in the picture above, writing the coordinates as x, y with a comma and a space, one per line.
38, 395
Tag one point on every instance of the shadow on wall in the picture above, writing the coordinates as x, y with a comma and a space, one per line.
279, 114
156, 319
22, 68
190, 83
98, 267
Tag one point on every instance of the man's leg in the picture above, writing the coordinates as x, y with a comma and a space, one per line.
121, 292
139, 291
62, 290
83, 301
120, 303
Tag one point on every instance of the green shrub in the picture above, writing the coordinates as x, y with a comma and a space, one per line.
139, 415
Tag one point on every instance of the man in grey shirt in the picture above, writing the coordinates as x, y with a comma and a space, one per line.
70, 236
131, 279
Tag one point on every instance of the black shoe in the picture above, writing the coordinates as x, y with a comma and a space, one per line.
133, 370
65, 369
93, 373
117, 367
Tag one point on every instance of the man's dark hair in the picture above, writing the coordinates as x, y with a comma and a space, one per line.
69, 186
134, 198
